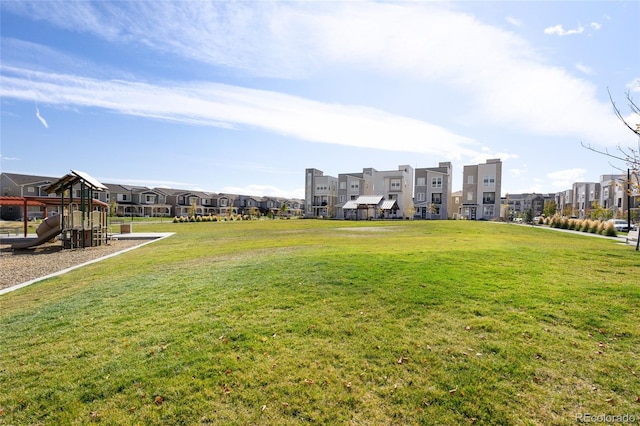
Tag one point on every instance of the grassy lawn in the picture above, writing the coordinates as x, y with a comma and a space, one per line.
325, 322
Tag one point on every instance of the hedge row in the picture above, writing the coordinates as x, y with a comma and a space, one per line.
583, 225
210, 218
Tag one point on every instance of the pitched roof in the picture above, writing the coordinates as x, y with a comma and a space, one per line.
20, 179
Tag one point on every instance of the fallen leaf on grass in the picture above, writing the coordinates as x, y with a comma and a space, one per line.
264, 407
308, 381
94, 415
452, 391
3, 411
158, 400
611, 401
402, 360
226, 389
132, 409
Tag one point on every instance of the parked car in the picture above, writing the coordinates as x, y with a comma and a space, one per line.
621, 225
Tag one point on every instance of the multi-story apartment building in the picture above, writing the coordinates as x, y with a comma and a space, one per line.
564, 202
585, 194
517, 204
320, 194
481, 188
432, 193
374, 193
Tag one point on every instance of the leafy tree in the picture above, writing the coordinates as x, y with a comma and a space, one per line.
550, 208
528, 216
192, 208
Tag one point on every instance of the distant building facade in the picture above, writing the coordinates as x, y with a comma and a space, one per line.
481, 186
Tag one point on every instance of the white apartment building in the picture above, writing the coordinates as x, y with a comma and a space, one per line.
375, 194
481, 190
320, 194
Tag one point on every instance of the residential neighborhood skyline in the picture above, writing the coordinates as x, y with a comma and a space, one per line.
227, 97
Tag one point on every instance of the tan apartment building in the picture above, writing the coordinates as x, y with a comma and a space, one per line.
481, 190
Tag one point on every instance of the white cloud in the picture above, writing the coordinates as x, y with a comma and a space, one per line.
563, 179
232, 107
41, 118
560, 31
502, 77
584, 69
264, 190
596, 26
514, 21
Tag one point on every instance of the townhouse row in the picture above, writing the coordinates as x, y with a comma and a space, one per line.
616, 193
141, 201
424, 193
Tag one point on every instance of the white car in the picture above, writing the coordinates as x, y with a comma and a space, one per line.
621, 225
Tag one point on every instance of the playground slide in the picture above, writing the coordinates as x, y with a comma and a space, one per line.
47, 230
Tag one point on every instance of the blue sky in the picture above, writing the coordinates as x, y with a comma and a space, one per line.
243, 96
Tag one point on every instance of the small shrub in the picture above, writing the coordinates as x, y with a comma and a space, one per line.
564, 223
175, 219
198, 218
609, 230
586, 225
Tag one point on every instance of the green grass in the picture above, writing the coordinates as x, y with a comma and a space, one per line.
324, 322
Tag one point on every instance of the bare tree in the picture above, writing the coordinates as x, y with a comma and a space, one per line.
630, 156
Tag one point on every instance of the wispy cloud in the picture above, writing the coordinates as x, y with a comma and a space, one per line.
41, 118
229, 106
514, 21
595, 25
563, 179
584, 69
560, 31
3, 158
265, 190
503, 79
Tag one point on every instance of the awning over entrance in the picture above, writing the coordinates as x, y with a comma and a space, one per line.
389, 205
363, 202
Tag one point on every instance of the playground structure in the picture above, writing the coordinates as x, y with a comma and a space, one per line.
80, 221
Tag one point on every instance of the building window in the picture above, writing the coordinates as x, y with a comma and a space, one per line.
488, 211
223, 202
489, 181
421, 196
470, 179
470, 196
396, 184
355, 186
420, 181
343, 185
436, 182
343, 198
31, 189
488, 197
436, 198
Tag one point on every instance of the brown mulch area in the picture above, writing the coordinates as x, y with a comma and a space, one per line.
18, 266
